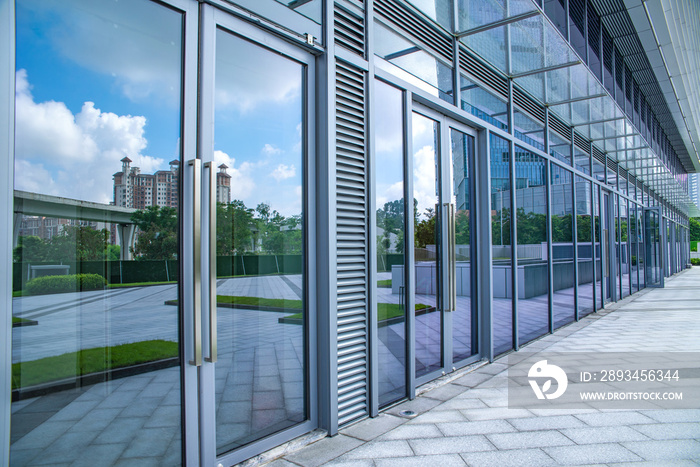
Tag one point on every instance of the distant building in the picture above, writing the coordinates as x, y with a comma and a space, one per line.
694, 188
48, 227
133, 189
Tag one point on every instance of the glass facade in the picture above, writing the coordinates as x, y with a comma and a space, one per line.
219, 247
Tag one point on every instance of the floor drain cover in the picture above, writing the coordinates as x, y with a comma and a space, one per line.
408, 413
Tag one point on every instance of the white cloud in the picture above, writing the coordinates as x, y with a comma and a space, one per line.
74, 156
283, 172
270, 150
242, 183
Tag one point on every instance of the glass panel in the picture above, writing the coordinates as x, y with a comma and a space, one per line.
464, 322
582, 160
95, 356
501, 268
531, 224
606, 248
312, 9
528, 130
598, 246
391, 262
598, 170
439, 11
427, 253
556, 11
634, 249
483, 104
474, 13
415, 61
641, 256
584, 238
562, 245
258, 123
617, 258
577, 22
559, 147
594, 42
625, 260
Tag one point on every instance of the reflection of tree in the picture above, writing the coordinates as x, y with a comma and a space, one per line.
532, 227
157, 235
500, 227
73, 243
278, 235
425, 229
694, 229
390, 220
233, 228
462, 233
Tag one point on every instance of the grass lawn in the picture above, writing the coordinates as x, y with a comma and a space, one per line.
88, 361
384, 283
258, 301
384, 311
16, 320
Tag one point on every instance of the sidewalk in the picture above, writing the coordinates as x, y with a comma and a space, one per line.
466, 420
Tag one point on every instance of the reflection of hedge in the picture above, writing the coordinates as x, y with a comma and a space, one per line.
385, 263
127, 272
66, 283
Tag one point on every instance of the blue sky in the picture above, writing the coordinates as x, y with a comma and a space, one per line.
97, 81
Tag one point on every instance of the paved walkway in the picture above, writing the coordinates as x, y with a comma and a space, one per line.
466, 421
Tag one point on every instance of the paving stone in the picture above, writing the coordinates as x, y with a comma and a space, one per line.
380, 449
453, 445
591, 454
418, 405
475, 428
324, 451
473, 379
665, 450
546, 423
670, 430
461, 403
422, 461
614, 418
438, 416
369, 429
445, 392
668, 416
670, 463
345, 463
495, 413
413, 431
603, 435
529, 439
512, 458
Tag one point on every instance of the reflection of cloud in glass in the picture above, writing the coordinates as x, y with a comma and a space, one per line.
137, 42
248, 78
55, 149
424, 178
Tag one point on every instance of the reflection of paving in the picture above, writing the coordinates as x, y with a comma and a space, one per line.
136, 420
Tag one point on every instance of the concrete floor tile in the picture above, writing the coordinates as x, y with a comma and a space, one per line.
323, 451
665, 450
614, 418
600, 435
662, 431
556, 422
380, 449
475, 428
512, 458
591, 454
369, 429
528, 439
410, 431
422, 461
454, 445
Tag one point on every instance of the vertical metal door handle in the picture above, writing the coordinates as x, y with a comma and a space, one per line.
196, 165
453, 258
212, 263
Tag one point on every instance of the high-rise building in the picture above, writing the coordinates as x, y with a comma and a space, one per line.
694, 188
132, 189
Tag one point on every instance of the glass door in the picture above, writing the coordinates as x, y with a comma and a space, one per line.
653, 247
443, 189
608, 242
255, 110
99, 288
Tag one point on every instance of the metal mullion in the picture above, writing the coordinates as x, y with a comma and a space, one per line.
513, 243
444, 197
409, 265
550, 263
574, 238
593, 186
484, 280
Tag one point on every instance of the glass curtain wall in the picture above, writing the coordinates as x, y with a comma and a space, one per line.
634, 248
562, 226
641, 256
391, 263
427, 254
96, 356
585, 245
532, 259
598, 247
501, 249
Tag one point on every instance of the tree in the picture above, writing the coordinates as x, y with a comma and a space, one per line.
425, 230
157, 235
233, 228
695, 229
30, 248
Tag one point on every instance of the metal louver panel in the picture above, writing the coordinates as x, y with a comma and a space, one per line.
351, 187
598, 154
582, 143
483, 73
528, 104
402, 17
612, 165
560, 127
349, 30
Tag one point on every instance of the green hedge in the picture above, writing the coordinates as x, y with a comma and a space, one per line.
694, 246
695, 261
65, 283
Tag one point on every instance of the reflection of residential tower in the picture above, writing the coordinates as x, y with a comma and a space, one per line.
223, 185
132, 189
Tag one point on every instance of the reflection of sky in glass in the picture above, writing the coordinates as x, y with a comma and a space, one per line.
258, 125
388, 144
96, 81
425, 133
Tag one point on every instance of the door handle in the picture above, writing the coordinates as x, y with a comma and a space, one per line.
451, 258
212, 263
196, 165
